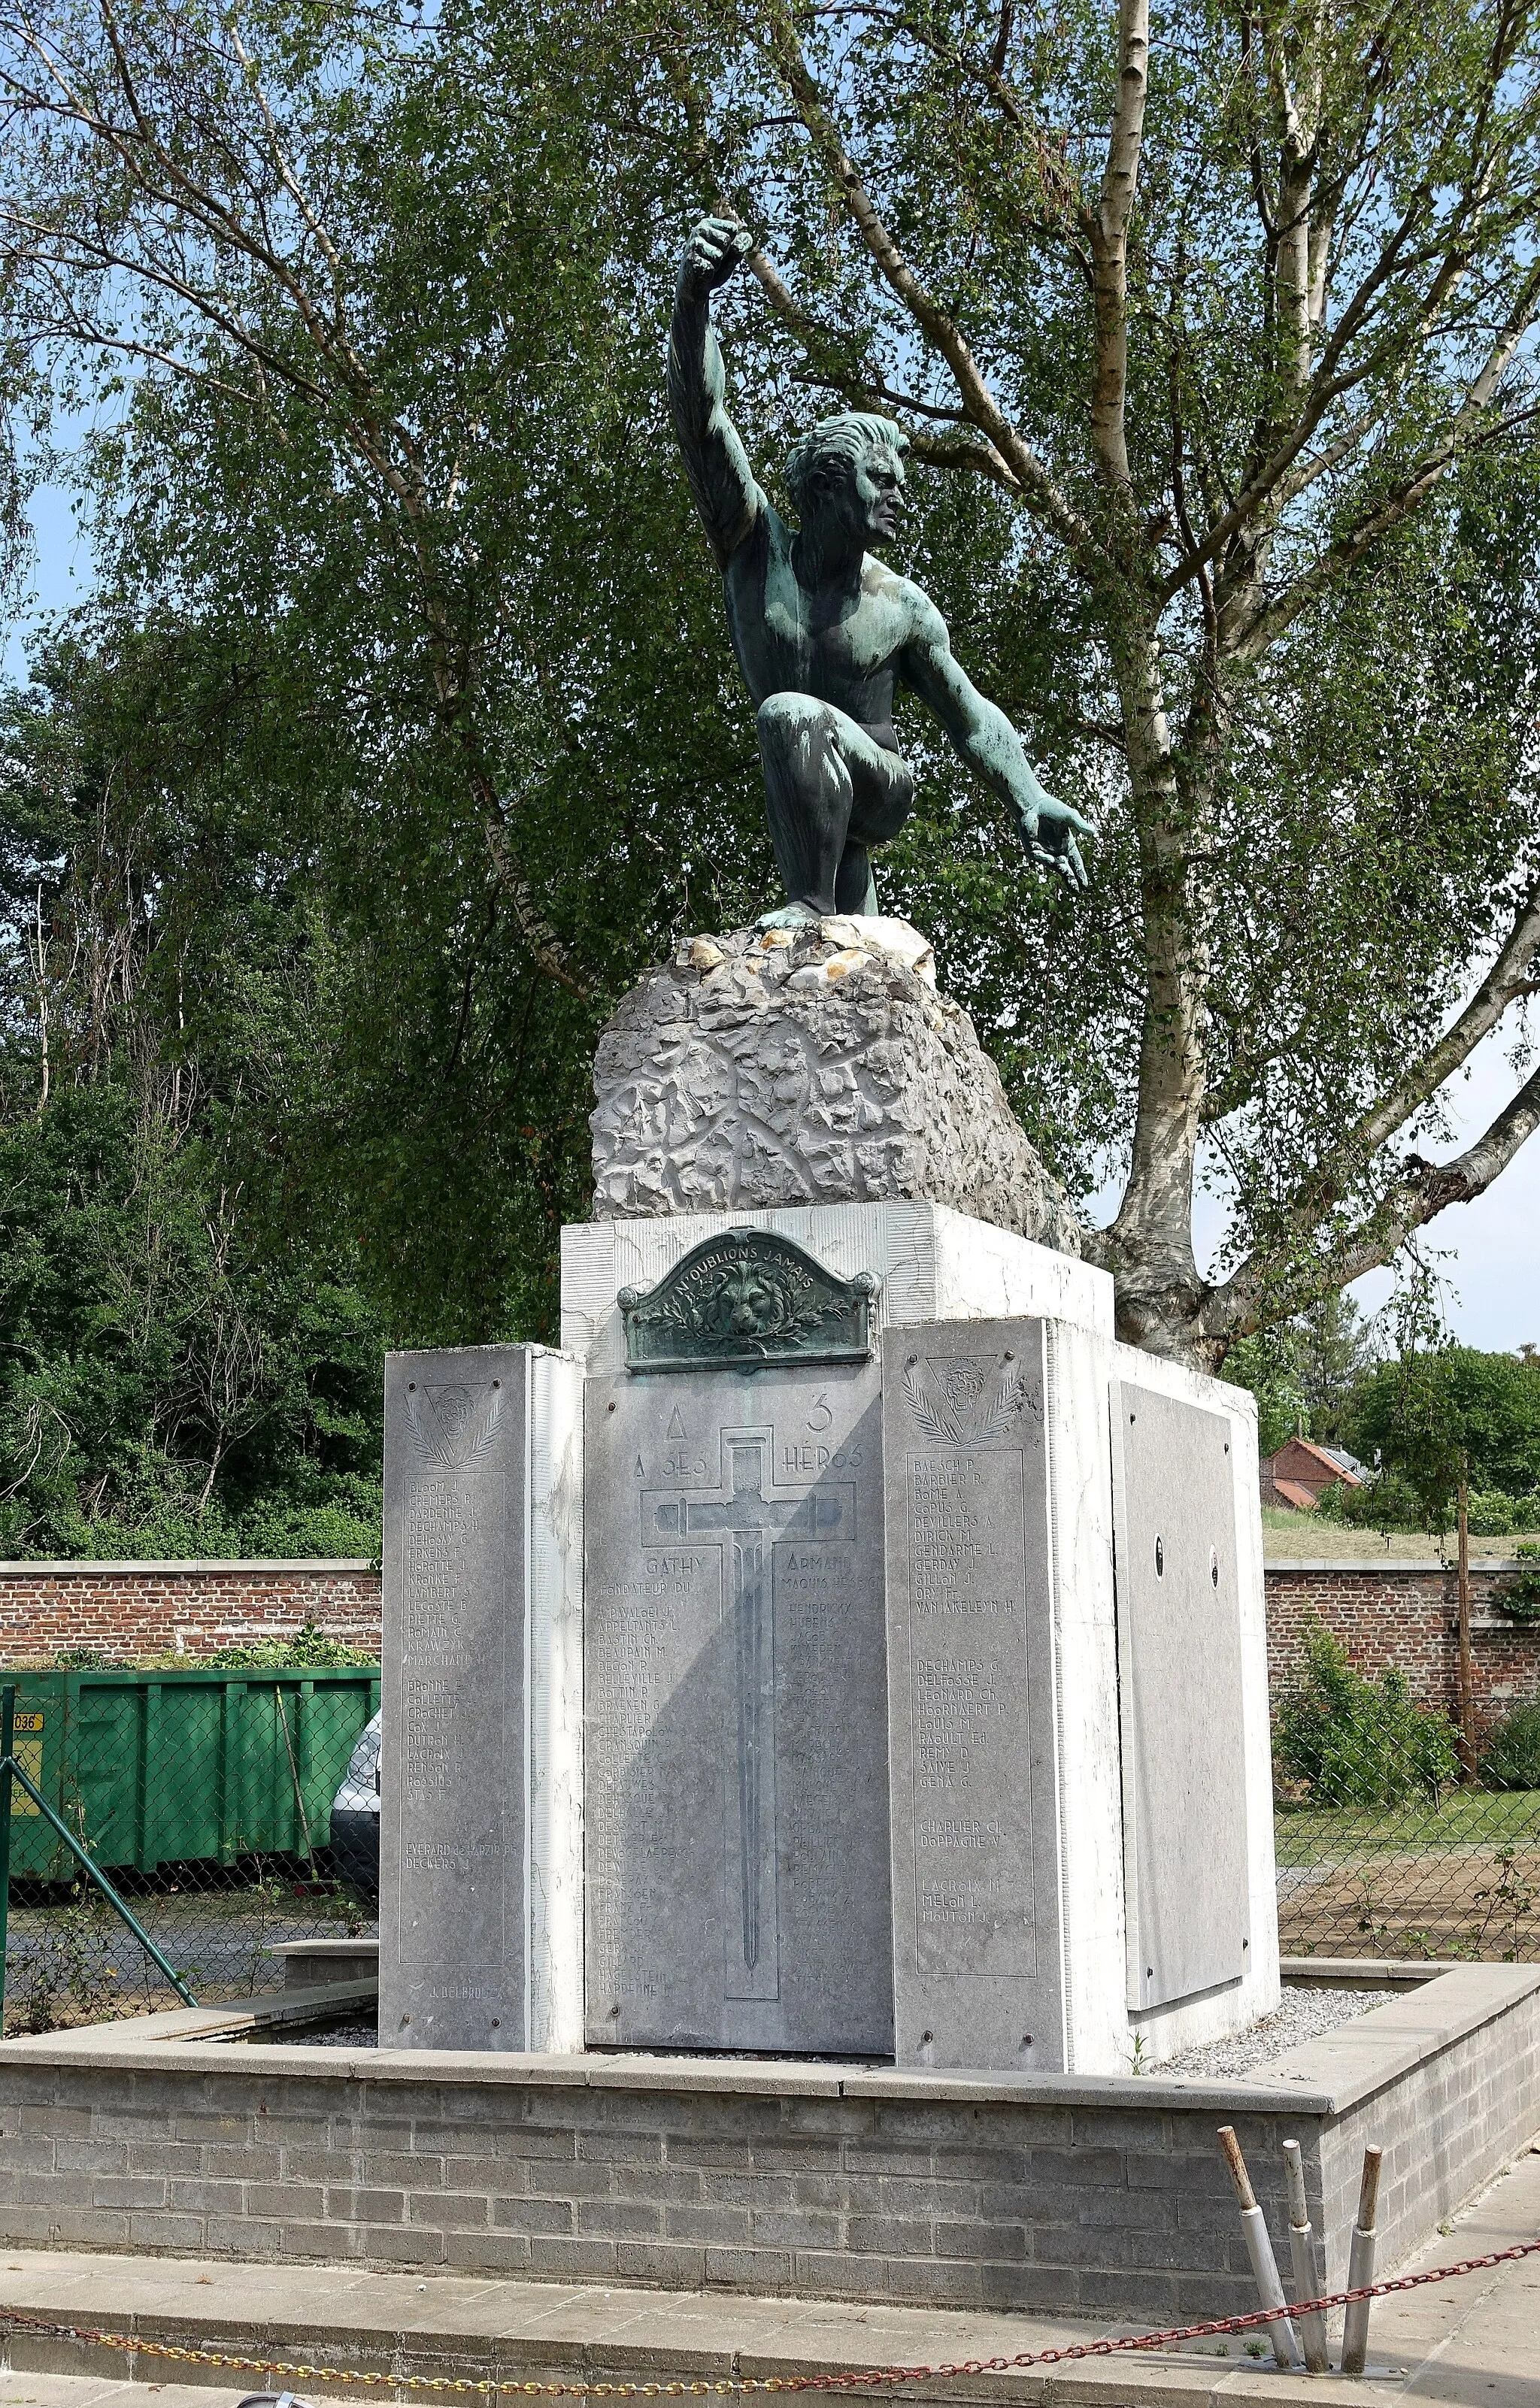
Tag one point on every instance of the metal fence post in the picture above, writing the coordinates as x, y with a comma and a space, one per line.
95, 1874
7, 1725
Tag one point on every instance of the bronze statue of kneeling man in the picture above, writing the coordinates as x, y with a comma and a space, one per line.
822, 632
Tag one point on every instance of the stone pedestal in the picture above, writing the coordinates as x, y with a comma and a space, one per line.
1081, 1814
922, 1705
808, 1065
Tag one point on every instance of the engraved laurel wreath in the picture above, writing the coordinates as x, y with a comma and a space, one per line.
452, 1427
952, 1401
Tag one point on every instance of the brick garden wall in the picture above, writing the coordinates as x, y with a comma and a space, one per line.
131, 1610
1386, 1615
1404, 1618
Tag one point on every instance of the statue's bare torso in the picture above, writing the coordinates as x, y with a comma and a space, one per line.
844, 648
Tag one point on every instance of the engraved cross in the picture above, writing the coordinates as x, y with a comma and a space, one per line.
743, 1522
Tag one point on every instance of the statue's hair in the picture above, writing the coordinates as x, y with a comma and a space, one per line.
828, 452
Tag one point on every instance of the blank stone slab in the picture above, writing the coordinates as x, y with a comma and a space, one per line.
480, 1803
975, 1873
1186, 1844
735, 1700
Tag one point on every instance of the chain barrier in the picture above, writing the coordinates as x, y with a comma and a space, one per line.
869, 2378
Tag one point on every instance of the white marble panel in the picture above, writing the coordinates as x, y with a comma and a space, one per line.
930, 1264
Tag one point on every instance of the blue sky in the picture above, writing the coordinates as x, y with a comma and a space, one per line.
1490, 1258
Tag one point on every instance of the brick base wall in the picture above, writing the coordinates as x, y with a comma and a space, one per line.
127, 1611
1404, 1618
1109, 2198
955, 2203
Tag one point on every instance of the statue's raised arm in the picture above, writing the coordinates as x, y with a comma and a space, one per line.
716, 462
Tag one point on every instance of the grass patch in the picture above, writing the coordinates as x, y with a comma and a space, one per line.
1463, 1818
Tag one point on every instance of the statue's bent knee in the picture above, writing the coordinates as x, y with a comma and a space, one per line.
783, 717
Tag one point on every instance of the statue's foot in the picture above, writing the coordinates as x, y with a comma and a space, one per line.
790, 915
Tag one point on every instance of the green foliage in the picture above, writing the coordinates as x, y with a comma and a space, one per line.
1511, 1759
418, 645
1359, 1742
1491, 1515
182, 1371
67, 1975
1305, 1372
1389, 1502
309, 1649
1438, 1414
1266, 1365
1518, 1596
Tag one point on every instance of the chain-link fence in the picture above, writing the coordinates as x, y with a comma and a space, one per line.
1394, 1840
235, 1811
219, 1804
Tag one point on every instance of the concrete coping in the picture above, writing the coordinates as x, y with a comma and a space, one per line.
1321, 2077
94, 2042
1338, 1973
1355, 1972
1428, 1564
192, 1566
365, 1945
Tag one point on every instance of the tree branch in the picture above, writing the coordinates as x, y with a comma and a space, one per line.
1464, 429
1424, 1190
1110, 244
1038, 488
1512, 975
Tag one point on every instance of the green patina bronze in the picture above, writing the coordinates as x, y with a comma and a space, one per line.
824, 633
749, 1299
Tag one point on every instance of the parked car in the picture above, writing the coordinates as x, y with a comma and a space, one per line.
356, 1815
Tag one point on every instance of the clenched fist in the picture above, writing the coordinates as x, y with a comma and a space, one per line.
712, 255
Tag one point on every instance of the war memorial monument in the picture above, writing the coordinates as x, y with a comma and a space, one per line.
851, 1650
825, 1777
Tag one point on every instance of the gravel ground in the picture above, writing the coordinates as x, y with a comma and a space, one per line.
1306, 2013
338, 2036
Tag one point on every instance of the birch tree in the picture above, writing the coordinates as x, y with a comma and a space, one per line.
1213, 331
1221, 300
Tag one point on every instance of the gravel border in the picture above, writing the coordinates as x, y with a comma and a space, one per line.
1307, 2012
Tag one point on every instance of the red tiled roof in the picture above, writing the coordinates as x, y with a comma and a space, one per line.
1294, 1492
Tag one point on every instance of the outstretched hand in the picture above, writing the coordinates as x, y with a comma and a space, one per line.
713, 253
1049, 831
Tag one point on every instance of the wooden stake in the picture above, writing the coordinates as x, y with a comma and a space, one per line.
1361, 2267
1238, 2174
1465, 1680
1264, 2266
1308, 2263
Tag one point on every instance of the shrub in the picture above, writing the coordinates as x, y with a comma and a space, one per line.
1518, 1597
1358, 1742
1512, 1758
1382, 1503
1492, 1515
307, 1649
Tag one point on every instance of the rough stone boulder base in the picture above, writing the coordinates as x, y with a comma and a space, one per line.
808, 1065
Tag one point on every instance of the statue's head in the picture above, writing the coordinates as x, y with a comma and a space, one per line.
850, 468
